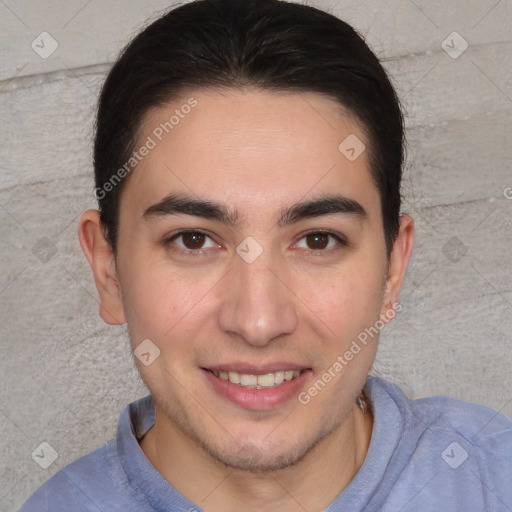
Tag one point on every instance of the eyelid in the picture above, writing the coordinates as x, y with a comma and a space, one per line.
169, 239
341, 240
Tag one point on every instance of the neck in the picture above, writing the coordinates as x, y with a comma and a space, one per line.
311, 484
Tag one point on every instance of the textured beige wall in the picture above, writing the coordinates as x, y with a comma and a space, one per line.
67, 375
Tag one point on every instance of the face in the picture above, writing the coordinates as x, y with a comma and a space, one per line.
251, 249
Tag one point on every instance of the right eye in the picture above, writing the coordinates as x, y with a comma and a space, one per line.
191, 241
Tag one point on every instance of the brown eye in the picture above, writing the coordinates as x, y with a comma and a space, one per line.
322, 242
193, 240
317, 240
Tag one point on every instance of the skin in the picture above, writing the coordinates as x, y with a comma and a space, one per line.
256, 153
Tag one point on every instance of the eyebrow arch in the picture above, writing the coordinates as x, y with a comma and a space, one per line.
175, 204
324, 205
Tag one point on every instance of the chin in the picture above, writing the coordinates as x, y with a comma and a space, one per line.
250, 446
263, 457
252, 458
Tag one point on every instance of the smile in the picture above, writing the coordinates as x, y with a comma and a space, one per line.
254, 387
262, 381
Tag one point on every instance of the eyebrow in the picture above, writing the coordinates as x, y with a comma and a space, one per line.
175, 204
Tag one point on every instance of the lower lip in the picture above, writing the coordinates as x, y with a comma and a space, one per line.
257, 399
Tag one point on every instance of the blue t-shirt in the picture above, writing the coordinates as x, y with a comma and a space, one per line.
432, 454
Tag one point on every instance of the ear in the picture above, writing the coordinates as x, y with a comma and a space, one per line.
98, 252
397, 265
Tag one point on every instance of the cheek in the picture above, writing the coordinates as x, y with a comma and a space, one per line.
164, 303
151, 300
345, 301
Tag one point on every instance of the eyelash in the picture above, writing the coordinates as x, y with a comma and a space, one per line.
199, 252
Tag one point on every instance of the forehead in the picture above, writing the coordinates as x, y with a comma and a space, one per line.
251, 150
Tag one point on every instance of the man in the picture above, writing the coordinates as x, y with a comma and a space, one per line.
248, 160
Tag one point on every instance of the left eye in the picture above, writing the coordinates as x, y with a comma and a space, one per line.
319, 240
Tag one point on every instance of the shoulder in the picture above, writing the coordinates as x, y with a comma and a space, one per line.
440, 435
478, 424
99, 478
476, 431
75, 487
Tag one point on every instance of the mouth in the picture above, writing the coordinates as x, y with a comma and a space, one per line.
257, 388
257, 381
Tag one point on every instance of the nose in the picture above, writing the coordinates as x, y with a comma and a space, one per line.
258, 304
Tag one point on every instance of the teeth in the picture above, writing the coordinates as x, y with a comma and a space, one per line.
234, 377
278, 377
266, 380
248, 380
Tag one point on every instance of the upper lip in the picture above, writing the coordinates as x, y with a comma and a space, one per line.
252, 369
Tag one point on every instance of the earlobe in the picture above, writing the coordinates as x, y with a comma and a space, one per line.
398, 260
100, 256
